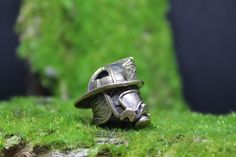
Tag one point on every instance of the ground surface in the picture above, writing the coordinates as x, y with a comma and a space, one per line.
50, 127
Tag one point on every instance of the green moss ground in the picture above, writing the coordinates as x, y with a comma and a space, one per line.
55, 124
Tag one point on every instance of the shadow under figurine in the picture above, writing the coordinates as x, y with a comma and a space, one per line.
113, 95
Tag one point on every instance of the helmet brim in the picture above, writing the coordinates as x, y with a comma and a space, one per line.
85, 100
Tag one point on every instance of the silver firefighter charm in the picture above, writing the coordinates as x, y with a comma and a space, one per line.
113, 95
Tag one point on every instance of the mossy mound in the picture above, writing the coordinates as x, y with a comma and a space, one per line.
65, 41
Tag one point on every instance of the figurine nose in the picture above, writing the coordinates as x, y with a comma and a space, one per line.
128, 113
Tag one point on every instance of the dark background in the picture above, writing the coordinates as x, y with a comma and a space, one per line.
12, 70
205, 42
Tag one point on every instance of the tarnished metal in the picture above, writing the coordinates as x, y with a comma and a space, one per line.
113, 95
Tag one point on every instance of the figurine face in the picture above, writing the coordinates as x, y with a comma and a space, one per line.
125, 105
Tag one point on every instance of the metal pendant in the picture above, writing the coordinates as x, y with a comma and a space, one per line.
113, 95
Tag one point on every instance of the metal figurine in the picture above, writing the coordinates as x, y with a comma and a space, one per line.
113, 95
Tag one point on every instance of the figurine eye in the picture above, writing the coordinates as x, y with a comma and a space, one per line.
102, 75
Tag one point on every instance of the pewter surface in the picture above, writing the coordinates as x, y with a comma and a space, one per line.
113, 95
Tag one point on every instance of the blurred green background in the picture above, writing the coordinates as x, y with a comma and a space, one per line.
65, 41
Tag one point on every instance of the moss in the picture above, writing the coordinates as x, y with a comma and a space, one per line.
44, 123
48, 124
65, 41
